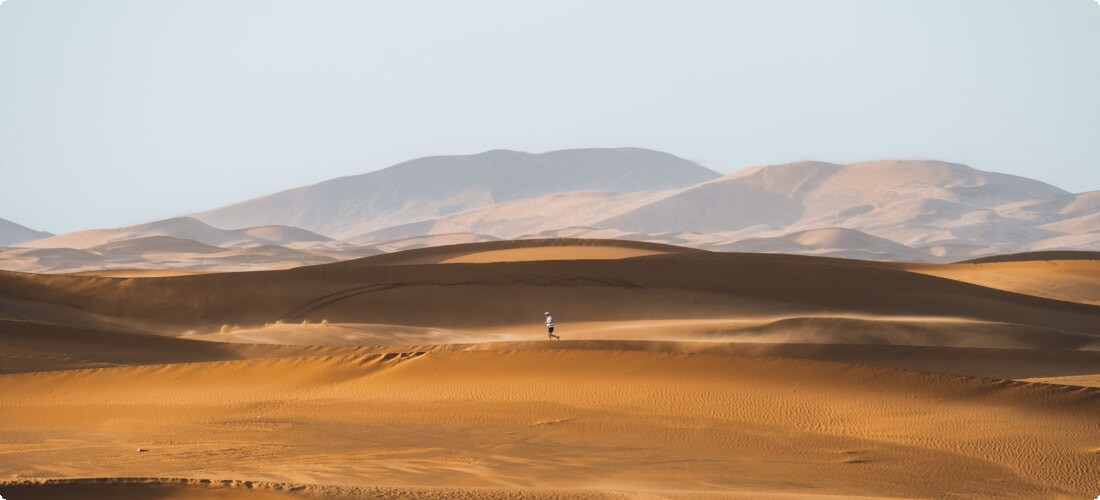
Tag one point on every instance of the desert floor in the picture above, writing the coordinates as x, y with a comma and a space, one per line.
680, 373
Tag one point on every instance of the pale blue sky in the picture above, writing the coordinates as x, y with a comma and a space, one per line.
119, 112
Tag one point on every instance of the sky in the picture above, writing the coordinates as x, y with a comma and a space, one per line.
117, 112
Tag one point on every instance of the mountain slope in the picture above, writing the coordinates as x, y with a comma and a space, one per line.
12, 233
879, 210
864, 196
437, 186
902, 210
911, 202
520, 218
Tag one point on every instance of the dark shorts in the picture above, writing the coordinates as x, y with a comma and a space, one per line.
550, 329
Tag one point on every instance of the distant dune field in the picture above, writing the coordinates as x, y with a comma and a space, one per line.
681, 373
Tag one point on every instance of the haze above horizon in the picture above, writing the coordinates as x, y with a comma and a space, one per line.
121, 112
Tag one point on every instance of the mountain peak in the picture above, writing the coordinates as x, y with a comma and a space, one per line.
435, 186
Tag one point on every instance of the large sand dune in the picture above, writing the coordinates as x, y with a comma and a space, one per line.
682, 373
1070, 280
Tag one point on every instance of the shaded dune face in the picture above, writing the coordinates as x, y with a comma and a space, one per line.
681, 373
674, 284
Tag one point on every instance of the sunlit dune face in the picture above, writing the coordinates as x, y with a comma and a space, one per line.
550, 253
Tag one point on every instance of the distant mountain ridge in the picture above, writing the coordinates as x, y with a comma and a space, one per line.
912, 202
878, 210
437, 186
937, 210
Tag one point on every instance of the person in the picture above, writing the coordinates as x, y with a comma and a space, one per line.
550, 326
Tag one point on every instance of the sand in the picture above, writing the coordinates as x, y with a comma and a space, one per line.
1069, 280
542, 254
136, 273
682, 374
619, 420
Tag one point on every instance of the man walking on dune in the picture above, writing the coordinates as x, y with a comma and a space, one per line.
550, 326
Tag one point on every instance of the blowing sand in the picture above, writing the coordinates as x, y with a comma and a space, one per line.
683, 374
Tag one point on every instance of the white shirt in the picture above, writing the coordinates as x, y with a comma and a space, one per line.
549, 321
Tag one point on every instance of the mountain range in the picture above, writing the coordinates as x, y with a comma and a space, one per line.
879, 210
443, 185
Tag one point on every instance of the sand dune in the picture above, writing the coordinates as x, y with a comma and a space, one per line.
50, 259
182, 243
891, 343
682, 373
166, 253
1048, 255
389, 289
181, 228
563, 419
26, 346
172, 488
135, 273
1069, 280
522, 250
826, 242
833, 329
435, 240
1075, 241
544, 254
32, 347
